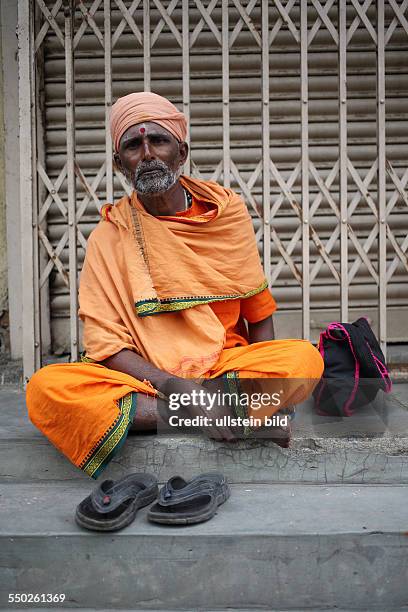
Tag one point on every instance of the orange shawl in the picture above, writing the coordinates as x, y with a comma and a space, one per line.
147, 282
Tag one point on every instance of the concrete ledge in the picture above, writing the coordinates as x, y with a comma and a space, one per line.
322, 460
222, 609
321, 452
271, 547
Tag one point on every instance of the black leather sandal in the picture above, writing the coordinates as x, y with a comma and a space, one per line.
187, 503
113, 505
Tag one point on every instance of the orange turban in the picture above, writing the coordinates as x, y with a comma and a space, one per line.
146, 106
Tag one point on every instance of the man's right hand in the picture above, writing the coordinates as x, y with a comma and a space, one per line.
200, 407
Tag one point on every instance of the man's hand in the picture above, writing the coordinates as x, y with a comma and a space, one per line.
131, 363
181, 386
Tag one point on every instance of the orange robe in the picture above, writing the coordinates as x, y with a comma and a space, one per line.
86, 409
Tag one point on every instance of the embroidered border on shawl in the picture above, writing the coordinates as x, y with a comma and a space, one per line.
86, 359
154, 306
233, 387
139, 237
98, 458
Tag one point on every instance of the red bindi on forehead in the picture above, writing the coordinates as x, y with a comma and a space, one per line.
142, 130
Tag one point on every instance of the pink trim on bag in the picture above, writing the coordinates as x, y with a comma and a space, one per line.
321, 351
350, 400
382, 368
385, 375
321, 344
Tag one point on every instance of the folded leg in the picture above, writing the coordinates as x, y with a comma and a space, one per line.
289, 368
85, 410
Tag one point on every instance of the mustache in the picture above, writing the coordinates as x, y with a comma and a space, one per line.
149, 166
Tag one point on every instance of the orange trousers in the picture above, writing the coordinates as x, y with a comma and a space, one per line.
86, 409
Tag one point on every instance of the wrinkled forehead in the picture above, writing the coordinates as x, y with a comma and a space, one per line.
144, 129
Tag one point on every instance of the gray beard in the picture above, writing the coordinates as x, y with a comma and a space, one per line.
154, 182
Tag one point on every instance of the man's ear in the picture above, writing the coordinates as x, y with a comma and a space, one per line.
117, 163
183, 152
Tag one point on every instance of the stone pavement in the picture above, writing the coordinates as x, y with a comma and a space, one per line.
321, 525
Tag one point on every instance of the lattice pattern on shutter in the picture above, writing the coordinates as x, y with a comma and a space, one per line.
336, 231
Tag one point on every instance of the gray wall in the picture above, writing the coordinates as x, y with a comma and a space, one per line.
10, 241
3, 231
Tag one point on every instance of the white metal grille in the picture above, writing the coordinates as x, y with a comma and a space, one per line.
299, 105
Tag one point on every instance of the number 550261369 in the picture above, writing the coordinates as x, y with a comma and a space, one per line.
36, 597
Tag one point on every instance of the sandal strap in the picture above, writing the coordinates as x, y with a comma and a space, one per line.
204, 484
109, 495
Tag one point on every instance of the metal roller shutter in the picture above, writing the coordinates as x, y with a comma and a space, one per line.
228, 106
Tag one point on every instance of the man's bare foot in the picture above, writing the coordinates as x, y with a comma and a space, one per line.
279, 434
152, 414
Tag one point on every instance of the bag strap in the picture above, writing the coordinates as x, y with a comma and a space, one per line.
362, 341
373, 366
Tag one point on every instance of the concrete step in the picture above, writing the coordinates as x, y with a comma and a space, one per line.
323, 450
222, 609
270, 547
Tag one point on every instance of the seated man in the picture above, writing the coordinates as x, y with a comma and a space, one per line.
171, 275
